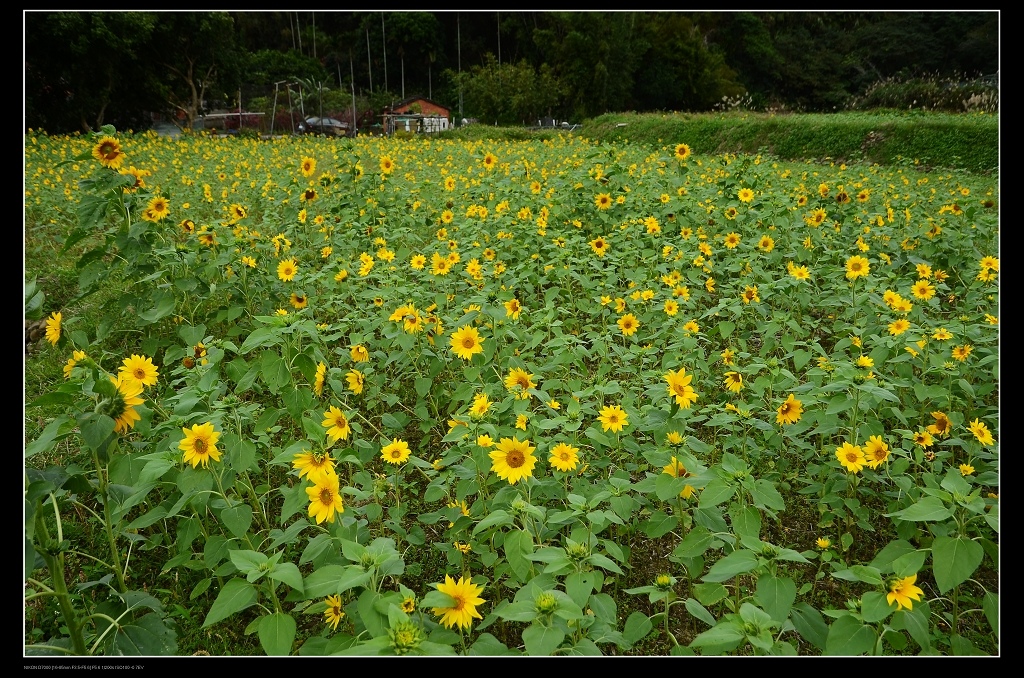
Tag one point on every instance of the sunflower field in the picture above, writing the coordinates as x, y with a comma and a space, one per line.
555, 397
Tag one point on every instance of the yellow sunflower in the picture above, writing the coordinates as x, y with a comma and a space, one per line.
123, 407
108, 151
513, 459
336, 424
790, 411
287, 269
140, 368
313, 465
200, 445
564, 457
613, 418
679, 386
465, 597
851, 457
466, 342
53, 327
325, 498
395, 452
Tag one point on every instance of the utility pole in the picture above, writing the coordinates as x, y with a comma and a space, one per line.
458, 30
352, 72
385, 43
298, 29
369, 67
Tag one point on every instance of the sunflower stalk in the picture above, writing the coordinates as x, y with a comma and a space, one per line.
54, 560
108, 527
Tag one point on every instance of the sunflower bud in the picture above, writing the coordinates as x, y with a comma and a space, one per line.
188, 362
545, 603
405, 637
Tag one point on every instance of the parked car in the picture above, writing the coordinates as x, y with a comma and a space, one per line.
326, 126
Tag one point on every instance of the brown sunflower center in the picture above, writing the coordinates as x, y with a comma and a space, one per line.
468, 342
326, 496
199, 445
784, 409
515, 459
139, 373
460, 602
396, 454
851, 457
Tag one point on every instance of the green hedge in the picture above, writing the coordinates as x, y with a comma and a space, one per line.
935, 140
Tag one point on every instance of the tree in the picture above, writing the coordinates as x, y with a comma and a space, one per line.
196, 51
85, 69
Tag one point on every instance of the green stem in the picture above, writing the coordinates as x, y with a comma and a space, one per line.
104, 497
55, 564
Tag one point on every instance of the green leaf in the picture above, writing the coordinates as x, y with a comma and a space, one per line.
236, 595
724, 633
542, 640
277, 633
59, 427
848, 636
917, 621
929, 508
990, 604
766, 496
746, 522
740, 561
637, 626
716, 492
287, 573
875, 607
323, 581
97, 430
497, 517
809, 623
261, 336
694, 544
699, 611
237, 519
776, 596
954, 560
149, 636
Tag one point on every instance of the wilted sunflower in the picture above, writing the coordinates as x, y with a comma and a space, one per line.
200, 445
513, 459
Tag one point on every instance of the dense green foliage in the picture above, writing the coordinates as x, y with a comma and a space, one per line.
965, 142
87, 68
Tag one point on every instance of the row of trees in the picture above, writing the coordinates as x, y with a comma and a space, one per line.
83, 69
